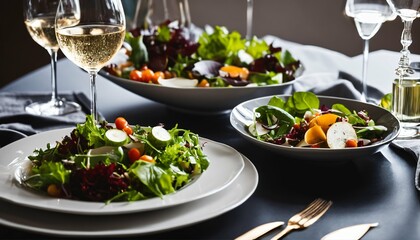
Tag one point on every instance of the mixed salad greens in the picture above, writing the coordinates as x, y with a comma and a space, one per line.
117, 163
300, 121
217, 59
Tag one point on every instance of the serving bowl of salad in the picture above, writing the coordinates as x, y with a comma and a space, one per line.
304, 126
211, 73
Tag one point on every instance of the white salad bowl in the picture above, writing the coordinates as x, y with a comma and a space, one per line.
196, 100
242, 115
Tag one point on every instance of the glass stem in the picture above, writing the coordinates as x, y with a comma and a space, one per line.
249, 12
406, 40
54, 91
364, 70
404, 64
187, 14
92, 76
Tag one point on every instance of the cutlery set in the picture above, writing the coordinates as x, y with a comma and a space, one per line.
304, 219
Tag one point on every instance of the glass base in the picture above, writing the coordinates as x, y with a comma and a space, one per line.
409, 131
52, 108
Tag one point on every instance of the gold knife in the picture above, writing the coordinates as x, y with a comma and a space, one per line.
259, 231
355, 232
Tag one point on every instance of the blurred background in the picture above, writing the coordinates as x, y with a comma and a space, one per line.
321, 23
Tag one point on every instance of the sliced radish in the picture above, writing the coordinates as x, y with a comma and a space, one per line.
339, 133
257, 129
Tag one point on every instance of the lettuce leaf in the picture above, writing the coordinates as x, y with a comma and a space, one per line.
220, 45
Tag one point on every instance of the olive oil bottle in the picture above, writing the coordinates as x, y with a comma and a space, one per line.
406, 100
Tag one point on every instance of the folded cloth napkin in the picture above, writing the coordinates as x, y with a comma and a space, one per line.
339, 84
413, 148
13, 115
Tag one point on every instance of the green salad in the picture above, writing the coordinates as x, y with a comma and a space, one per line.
116, 162
220, 58
301, 121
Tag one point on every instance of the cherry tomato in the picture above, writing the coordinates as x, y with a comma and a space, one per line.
136, 75
168, 74
157, 76
53, 190
147, 75
351, 143
147, 158
134, 154
127, 129
120, 123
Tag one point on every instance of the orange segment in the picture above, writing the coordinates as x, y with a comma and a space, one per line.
314, 135
325, 121
234, 72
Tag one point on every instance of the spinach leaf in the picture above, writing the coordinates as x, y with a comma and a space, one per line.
270, 115
300, 102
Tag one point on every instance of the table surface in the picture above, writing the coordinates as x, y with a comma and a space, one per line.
378, 188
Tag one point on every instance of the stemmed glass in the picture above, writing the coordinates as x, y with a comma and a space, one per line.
39, 18
172, 10
407, 11
90, 33
368, 17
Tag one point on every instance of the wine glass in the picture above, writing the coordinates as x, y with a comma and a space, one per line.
169, 10
149, 14
39, 18
368, 17
407, 11
90, 33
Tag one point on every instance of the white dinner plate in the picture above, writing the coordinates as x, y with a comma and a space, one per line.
62, 224
225, 165
242, 115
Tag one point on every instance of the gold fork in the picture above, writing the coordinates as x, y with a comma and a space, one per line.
306, 217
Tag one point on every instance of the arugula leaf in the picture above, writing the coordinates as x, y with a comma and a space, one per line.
46, 174
90, 131
109, 155
157, 180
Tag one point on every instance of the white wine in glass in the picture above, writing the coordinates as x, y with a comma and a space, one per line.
368, 17
39, 18
90, 33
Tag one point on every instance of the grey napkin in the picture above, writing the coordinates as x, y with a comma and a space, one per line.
413, 148
13, 115
330, 84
